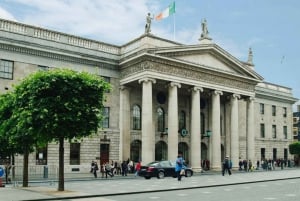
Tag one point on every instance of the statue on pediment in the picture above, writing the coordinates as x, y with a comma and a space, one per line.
205, 32
148, 23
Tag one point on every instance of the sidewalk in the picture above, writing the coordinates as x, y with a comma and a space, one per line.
40, 190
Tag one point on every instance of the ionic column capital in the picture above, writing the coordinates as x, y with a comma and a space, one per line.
147, 79
174, 84
236, 96
197, 88
122, 87
251, 98
217, 92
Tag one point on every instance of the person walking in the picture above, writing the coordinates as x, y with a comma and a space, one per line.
108, 170
95, 169
179, 165
227, 165
137, 168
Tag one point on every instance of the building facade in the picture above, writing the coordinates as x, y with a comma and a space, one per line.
165, 97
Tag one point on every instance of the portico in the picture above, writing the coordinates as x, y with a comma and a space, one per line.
184, 85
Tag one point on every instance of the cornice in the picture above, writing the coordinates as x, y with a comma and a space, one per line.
88, 60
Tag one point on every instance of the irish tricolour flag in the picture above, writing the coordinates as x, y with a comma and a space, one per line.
167, 12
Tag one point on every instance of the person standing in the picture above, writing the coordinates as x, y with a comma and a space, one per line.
179, 165
227, 165
124, 168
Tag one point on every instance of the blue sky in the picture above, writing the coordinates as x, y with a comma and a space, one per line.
270, 27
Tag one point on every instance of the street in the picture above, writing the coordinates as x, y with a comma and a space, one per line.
285, 190
255, 186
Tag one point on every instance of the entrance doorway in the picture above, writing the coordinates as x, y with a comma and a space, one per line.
104, 153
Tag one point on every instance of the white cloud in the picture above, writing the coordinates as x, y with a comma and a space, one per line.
6, 15
114, 21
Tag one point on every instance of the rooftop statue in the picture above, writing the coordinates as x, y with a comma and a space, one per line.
148, 23
205, 32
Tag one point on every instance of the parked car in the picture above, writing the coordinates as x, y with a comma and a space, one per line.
161, 169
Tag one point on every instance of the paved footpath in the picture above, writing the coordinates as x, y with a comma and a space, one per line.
98, 189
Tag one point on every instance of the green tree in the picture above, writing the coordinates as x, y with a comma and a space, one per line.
57, 105
294, 148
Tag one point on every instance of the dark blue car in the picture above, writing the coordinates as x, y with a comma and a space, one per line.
161, 169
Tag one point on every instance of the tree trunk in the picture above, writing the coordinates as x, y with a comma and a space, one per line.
61, 181
25, 169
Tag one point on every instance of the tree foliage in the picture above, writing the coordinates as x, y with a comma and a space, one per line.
294, 148
52, 106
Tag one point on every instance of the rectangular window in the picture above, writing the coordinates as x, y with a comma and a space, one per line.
274, 154
75, 154
105, 120
285, 132
284, 112
262, 108
41, 156
273, 110
6, 69
262, 130
263, 153
285, 154
273, 131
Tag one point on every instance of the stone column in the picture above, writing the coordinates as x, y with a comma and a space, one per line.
216, 131
173, 121
234, 128
148, 136
124, 123
250, 130
195, 132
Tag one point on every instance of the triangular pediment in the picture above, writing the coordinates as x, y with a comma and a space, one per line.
208, 60
210, 57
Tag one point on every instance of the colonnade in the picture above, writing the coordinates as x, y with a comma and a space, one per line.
148, 130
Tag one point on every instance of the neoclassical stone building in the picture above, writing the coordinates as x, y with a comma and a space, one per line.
166, 96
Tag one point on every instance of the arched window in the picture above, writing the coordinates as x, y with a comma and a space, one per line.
136, 114
160, 120
182, 120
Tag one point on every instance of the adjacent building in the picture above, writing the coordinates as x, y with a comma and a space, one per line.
166, 96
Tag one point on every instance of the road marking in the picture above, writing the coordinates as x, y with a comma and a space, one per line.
182, 194
154, 198
290, 195
270, 198
206, 192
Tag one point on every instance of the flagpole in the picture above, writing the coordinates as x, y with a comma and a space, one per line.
174, 26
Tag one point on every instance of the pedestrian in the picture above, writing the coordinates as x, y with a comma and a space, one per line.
179, 165
95, 169
7, 172
227, 165
124, 167
108, 170
137, 168
92, 166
